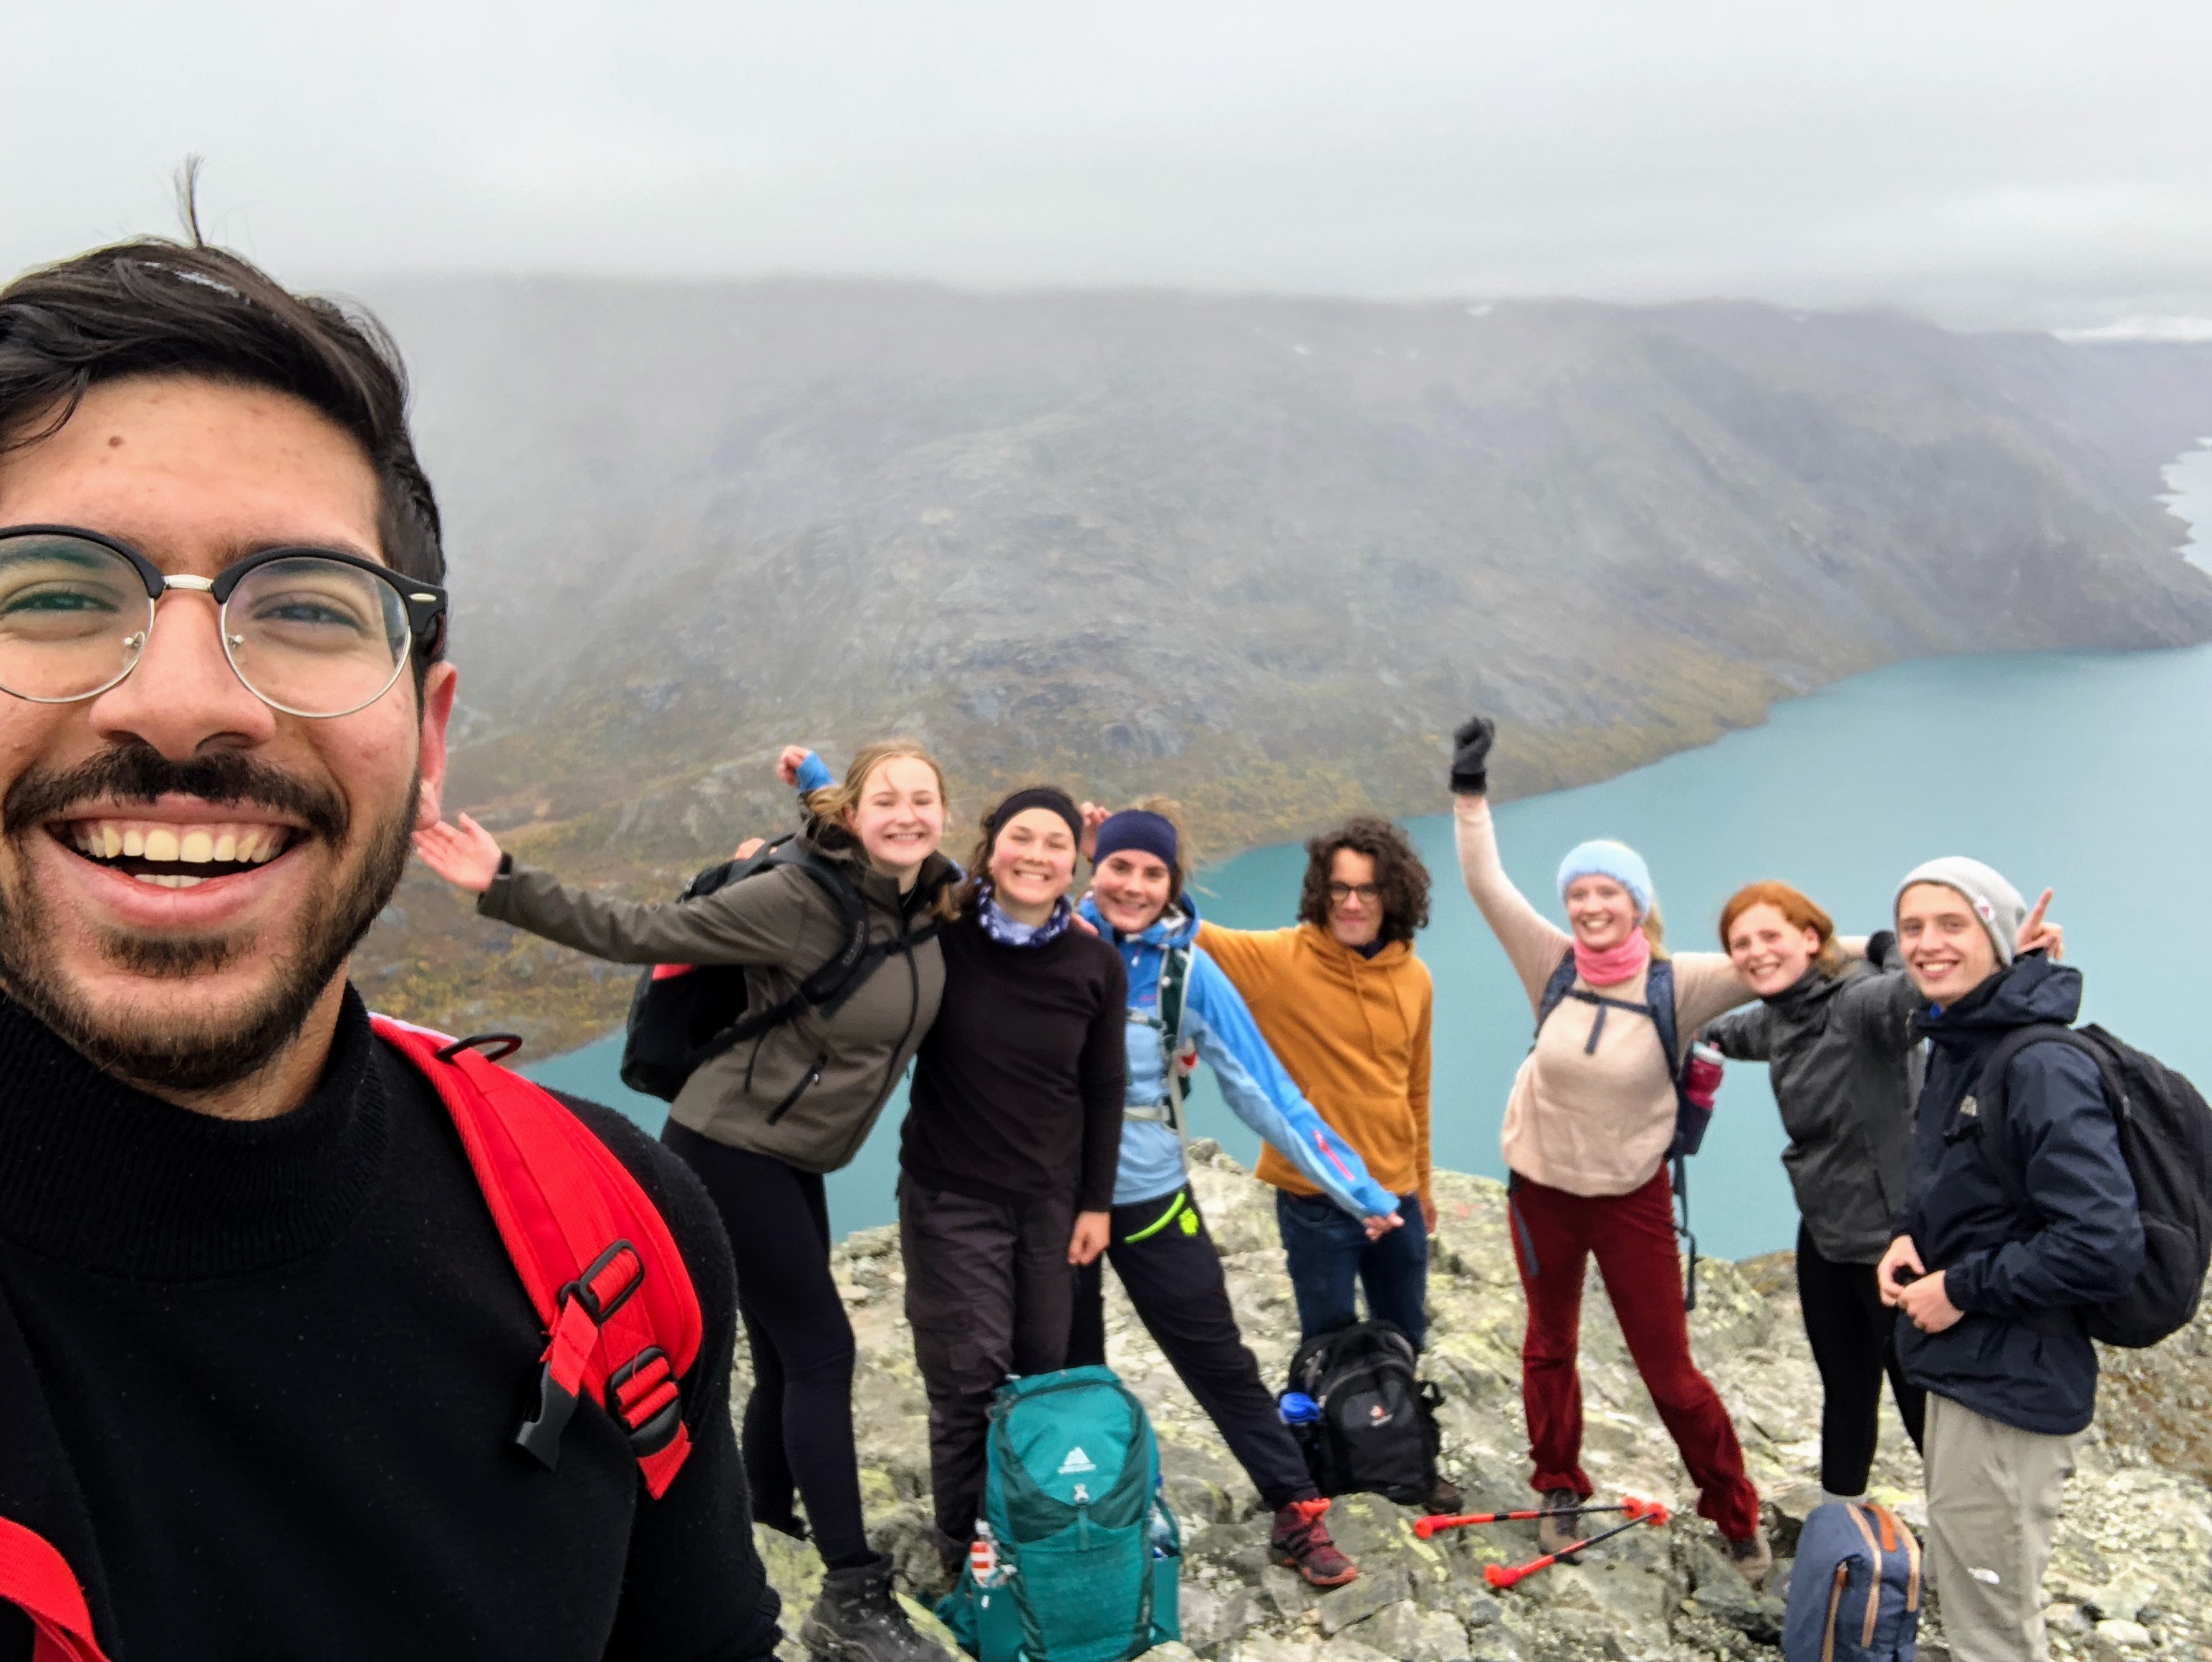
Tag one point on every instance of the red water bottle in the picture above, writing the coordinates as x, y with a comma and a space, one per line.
982, 1556
1701, 1076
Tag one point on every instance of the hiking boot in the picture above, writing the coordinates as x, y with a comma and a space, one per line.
1752, 1557
1444, 1500
1300, 1542
1557, 1534
856, 1619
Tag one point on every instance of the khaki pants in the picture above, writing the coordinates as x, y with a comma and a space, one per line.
1993, 1495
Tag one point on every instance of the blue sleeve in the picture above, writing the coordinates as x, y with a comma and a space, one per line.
814, 775
2090, 1247
1267, 1099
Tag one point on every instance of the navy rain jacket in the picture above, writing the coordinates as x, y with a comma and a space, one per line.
2020, 1354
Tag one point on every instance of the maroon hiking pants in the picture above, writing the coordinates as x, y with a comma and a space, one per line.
1554, 1232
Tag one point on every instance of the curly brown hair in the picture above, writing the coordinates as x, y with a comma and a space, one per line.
1399, 874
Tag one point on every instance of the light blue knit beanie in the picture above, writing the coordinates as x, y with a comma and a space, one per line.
1604, 857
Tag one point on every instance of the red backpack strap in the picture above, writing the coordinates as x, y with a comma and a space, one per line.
36, 1580
621, 1315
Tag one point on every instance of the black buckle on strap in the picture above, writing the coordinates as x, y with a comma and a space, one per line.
659, 1429
506, 1043
580, 1289
541, 1433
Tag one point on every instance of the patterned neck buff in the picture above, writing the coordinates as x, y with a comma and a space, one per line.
1007, 933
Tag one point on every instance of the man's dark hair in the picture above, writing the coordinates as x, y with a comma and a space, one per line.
157, 308
1399, 874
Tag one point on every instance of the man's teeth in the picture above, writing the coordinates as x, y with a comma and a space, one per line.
111, 839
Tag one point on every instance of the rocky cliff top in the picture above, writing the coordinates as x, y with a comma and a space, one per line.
2132, 1575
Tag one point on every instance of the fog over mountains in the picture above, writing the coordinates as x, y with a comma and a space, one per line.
1258, 552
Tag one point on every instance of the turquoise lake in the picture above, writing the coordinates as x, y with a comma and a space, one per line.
2087, 772
2091, 773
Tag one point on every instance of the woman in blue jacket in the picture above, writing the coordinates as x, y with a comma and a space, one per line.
1183, 1007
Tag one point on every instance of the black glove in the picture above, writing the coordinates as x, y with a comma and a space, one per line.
1470, 764
1881, 948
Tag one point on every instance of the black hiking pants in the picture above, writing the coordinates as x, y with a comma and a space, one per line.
1854, 1339
1169, 1268
988, 1290
797, 1430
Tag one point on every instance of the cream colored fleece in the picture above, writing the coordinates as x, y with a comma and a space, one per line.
1589, 1122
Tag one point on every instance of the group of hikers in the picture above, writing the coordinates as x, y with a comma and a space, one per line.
1050, 1025
277, 1278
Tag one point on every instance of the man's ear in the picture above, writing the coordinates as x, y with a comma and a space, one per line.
438, 689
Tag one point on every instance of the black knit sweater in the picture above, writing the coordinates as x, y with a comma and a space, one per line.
1018, 1089
259, 1381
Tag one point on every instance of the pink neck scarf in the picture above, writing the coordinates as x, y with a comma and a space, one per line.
1615, 963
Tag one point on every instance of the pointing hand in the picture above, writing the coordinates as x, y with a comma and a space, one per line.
2038, 936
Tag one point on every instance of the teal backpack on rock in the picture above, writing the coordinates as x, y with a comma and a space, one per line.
1083, 1552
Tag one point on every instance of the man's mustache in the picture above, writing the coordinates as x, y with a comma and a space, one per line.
136, 772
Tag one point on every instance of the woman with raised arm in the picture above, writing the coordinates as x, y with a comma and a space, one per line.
1587, 1130
1182, 1008
762, 1122
1837, 1031
1007, 1160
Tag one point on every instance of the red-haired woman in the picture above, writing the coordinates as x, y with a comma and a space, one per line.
1837, 1033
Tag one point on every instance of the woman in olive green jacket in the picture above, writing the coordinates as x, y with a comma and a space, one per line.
764, 1121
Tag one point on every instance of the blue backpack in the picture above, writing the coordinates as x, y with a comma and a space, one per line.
1082, 1555
1855, 1594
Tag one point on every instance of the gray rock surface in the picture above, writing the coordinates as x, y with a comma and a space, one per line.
2132, 1578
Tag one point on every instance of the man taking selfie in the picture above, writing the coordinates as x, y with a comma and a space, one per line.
276, 1287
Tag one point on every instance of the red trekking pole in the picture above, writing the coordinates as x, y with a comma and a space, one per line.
1425, 1527
1643, 1512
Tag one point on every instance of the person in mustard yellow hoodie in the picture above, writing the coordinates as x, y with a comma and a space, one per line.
1345, 1004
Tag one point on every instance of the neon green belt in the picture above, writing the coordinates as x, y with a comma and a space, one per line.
1175, 1208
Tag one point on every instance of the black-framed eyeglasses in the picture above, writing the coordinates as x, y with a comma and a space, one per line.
310, 632
1341, 892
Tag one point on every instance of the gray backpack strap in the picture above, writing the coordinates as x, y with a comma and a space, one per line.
1174, 986
1556, 989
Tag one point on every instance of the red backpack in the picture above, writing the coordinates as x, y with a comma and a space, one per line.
595, 1254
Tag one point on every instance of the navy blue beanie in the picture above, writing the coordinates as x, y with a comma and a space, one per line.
1134, 828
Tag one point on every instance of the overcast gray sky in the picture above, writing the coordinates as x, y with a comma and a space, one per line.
2021, 163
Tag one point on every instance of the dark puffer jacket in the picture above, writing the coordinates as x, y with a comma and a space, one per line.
2020, 1354
1846, 1066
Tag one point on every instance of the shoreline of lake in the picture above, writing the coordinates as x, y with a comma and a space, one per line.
1842, 792
2069, 782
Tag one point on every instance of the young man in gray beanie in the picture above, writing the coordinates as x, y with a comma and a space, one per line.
1989, 1289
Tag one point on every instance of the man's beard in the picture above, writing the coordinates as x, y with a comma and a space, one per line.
186, 1054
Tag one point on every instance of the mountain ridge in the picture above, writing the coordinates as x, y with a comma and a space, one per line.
1258, 552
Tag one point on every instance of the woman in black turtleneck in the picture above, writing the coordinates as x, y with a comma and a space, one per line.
1010, 1141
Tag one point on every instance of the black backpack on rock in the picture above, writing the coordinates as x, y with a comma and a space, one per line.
2165, 1137
683, 1016
1378, 1432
